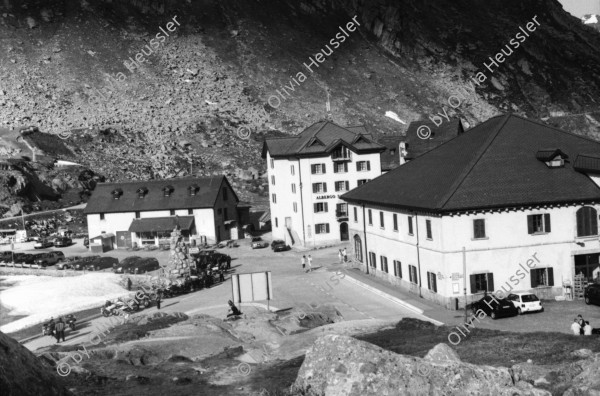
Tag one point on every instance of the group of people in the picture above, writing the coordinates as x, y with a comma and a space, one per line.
305, 261
343, 255
57, 328
581, 326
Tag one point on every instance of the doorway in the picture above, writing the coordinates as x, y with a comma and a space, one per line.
586, 264
344, 236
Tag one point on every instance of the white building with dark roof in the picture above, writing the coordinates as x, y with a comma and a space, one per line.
308, 173
146, 212
511, 204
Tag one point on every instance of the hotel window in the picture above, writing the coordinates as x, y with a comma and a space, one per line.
272, 163
225, 194
538, 223
172, 212
190, 211
428, 229
322, 228
224, 214
397, 269
410, 225
292, 170
363, 166
273, 180
479, 228
342, 186
294, 188
372, 260
341, 210
137, 215
274, 198
355, 214
381, 220
321, 207
370, 217
412, 273
101, 216
317, 169
319, 188
482, 282
384, 264
431, 282
295, 205
542, 277
340, 167
587, 221
395, 222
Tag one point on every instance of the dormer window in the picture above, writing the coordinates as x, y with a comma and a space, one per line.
141, 192
552, 157
341, 153
167, 191
193, 189
116, 193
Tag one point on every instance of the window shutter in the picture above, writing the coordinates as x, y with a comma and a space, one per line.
547, 222
323, 167
434, 282
345, 167
533, 278
530, 225
429, 280
325, 209
473, 284
313, 169
395, 270
327, 227
335, 168
324, 186
400, 268
347, 186
357, 166
368, 165
490, 283
594, 220
314, 187
550, 276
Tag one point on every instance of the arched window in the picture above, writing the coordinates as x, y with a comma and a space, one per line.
358, 254
587, 221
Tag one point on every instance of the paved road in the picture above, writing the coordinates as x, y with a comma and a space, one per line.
291, 287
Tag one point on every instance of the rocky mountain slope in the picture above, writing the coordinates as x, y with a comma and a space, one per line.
231, 68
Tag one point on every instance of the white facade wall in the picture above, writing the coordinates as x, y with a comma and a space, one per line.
303, 229
507, 245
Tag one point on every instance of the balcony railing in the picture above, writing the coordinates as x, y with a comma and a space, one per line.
341, 213
341, 156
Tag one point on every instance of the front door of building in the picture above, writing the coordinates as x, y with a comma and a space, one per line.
586, 264
123, 239
344, 236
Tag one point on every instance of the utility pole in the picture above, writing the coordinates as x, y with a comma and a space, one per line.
464, 253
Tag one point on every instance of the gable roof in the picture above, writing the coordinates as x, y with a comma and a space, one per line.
321, 138
492, 165
390, 158
416, 146
207, 190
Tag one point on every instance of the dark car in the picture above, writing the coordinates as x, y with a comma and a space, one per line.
145, 264
279, 246
50, 258
43, 243
82, 262
62, 242
127, 262
591, 294
101, 263
495, 307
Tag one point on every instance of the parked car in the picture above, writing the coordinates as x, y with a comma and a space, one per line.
101, 263
495, 307
80, 264
43, 243
50, 258
124, 265
62, 242
26, 258
591, 294
279, 246
145, 264
258, 243
525, 302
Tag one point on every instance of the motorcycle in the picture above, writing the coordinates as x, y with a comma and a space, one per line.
119, 307
71, 321
48, 329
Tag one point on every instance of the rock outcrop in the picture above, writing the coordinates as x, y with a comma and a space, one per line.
340, 365
23, 374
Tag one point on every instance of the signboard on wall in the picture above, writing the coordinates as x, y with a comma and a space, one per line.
255, 286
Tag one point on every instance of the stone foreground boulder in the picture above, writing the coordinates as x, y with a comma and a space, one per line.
344, 366
23, 374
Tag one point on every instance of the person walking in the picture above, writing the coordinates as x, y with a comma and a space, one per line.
221, 275
340, 256
345, 254
304, 263
128, 284
158, 301
60, 330
228, 262
309, 263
